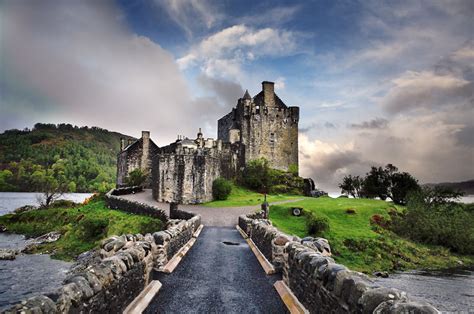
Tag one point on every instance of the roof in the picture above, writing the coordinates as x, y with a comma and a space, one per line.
247, 95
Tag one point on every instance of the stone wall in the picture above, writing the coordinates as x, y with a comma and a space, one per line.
108, 279
185, 177
319, 283
114, 202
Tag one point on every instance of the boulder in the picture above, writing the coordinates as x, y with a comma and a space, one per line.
8, 254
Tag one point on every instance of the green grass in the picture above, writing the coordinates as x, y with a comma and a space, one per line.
240, 196
82, 227
355, 243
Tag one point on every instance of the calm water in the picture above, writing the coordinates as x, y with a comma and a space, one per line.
28, 275
10, 201
447, 290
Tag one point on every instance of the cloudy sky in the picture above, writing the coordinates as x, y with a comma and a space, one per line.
377, 81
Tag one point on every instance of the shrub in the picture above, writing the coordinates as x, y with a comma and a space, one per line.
432, 217
317, 225
63, 203
136, 178
91, 229
221, 189
350, 211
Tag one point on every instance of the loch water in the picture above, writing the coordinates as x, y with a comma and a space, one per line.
450, 291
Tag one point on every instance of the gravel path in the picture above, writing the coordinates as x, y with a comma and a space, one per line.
211, 216
217, 278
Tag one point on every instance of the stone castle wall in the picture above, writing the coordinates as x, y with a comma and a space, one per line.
184, 178
320, 284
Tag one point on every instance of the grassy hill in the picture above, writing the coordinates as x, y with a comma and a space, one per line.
357, 243
88, 156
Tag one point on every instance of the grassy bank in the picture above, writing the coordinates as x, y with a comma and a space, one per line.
354, 241
82, 227
240, 196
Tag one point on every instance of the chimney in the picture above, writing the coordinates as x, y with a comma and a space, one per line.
268, 89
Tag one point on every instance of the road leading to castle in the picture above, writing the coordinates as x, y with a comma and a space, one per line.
215, 277
210, 216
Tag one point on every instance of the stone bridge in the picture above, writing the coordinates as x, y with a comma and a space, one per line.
221, 268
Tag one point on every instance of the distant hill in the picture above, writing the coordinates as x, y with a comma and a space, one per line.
89, 156
467, 187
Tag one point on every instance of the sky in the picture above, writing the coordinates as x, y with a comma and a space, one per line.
377, 82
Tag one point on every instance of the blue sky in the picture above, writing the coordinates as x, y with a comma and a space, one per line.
377, 81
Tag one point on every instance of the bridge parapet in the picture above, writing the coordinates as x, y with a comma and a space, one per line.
109, 278
320, 284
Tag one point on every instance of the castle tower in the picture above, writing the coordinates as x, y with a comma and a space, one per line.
267, 128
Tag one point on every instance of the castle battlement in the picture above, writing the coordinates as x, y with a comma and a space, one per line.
183, 171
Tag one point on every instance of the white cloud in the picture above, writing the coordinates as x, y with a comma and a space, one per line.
191, 14
280, 83
222, 53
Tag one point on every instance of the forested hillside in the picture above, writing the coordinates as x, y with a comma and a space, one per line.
84, 157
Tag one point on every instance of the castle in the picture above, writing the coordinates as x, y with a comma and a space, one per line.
183, 171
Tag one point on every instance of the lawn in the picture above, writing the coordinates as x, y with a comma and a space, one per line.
82, 227
354, 241
241, 196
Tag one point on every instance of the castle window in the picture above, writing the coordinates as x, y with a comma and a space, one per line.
272, 138
257, 109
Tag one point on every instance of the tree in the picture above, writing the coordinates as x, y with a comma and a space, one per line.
351, 185
51, 182
401, 184
384, 183
135, 178
376, 184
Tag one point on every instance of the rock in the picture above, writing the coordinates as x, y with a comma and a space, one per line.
3, 228
161, 237
25, 208
319, 244
281, 240
8, 254
45, 238
373, 297
397, 307
382, 274
37, 304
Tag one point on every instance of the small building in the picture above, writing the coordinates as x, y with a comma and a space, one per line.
136, 155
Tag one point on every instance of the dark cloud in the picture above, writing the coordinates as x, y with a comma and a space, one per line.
225, 90
377, 123
318, 126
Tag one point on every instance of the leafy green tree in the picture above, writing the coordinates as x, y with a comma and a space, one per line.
351, 185
221, 189
376, 184
401, 184
136, 177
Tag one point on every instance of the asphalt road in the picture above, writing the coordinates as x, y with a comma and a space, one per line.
218, 278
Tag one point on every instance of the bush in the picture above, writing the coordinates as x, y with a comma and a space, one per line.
317, 225
221, 189
136, 178
63, 203
91, 229
351, 211
433, 218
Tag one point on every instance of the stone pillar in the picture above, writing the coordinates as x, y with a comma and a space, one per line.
146, 151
